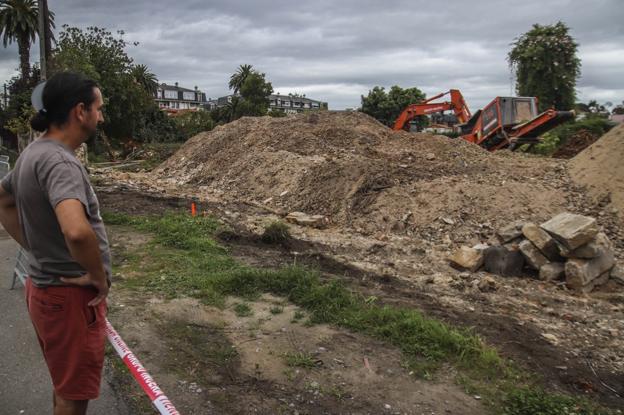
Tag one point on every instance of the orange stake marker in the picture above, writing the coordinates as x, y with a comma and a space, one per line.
193, 209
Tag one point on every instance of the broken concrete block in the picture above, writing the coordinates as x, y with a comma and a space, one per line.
592, 249
580, 272
502, 261
534, 258
617, 274
603, 278
510, 232
552, 271
303, 219
467, 258
542, 240
571, 230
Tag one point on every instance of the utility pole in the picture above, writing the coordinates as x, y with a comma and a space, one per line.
42, 37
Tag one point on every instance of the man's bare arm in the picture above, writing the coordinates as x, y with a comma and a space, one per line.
83, 246
8, 216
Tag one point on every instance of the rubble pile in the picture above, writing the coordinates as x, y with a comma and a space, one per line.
362, 176
567, 247
600, 170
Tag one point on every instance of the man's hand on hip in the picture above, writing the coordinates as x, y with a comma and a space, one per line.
101, 285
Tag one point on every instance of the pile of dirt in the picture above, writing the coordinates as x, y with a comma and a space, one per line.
360, 174
575, 144
601, 169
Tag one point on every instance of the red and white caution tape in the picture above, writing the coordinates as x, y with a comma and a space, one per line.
145, 380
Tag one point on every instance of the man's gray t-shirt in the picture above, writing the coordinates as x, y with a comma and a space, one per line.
45, 174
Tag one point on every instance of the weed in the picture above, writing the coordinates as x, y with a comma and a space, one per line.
276, 233
532, 401
243, 310
300, 359
276, 309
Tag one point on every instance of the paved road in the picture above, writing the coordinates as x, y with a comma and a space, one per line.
25, 386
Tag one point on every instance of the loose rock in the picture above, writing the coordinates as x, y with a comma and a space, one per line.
510, 232
595, 283
617, 274
552, 271
501, 261
542, 240
581, 272
534, 258
571, 230
591, 249
487, 284
303, 219
467, 258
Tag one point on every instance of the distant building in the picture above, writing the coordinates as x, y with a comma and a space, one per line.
617, 118
173, 98
290, 104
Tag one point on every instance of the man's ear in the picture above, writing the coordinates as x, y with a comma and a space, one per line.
80, 112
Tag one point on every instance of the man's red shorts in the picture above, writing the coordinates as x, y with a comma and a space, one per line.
71, 335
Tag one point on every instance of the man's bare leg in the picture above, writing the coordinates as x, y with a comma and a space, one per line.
68, 407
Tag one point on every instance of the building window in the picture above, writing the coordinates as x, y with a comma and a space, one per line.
190, 96
171, 94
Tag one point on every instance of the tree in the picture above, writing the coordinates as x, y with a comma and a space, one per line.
48, 17
238, 78
386, 107
142, 76
618, 109
19, 22
102, 56
191, 123
595, 107
546, 65
255, 92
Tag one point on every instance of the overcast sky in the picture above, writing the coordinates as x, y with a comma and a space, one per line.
336, 51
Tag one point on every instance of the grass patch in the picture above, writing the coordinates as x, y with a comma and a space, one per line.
300, 359
276, 309
534, 401
276, 233
183, 259
243, 310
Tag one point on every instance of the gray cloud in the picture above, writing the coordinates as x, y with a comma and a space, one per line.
337, 51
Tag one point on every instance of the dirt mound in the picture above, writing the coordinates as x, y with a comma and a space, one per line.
360, 173
601, 168
575, 144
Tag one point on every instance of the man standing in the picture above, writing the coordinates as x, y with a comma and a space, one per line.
48, 206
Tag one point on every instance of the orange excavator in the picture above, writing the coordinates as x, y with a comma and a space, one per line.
506, 122
456, 104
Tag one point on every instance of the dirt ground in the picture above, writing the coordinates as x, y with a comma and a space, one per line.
506, 318
397, 205
211, 360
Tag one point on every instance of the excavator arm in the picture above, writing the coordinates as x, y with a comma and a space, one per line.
456, 104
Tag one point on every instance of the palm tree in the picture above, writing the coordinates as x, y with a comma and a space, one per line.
19, 22
142, 75
49, 36
238, 79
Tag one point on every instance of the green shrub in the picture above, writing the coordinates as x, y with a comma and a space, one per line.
558, 137
538, 402
276, 233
